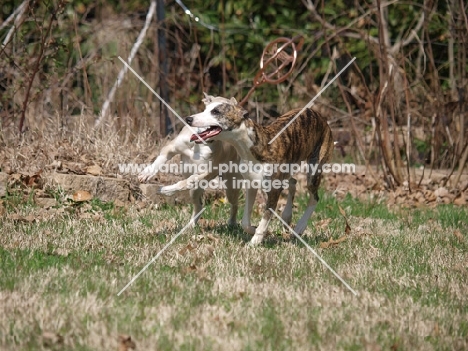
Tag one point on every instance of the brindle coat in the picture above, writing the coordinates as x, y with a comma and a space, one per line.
308, 138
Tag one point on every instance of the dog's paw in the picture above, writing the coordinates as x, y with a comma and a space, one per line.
300, 227
249, 229
166, 191
143, 177
256, 240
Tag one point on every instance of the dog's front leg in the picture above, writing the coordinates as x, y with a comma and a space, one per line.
167, 152
287, 212
196, 195
261, 230
151, 170
186, 184
232, 194
250, 195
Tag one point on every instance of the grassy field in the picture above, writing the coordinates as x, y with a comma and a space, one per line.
61, 270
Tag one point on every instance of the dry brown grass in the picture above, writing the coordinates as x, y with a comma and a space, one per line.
210, 291
63, 267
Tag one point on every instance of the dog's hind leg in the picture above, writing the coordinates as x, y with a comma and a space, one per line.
232, 194
302, 223
313, 183
320, 156
250, 195
287, 212
317, 159
186, 184
196, 196
261, 230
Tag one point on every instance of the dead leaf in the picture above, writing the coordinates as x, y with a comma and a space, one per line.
347, 227
82, 195
323, 223
85, 215
459, 235
332, 242
98, 217
189, 269
29, 218
441, 192
119, 203
14, 178
202, 275
126, 343
343, 213
73, 167
141, 205
286, 235
429, 195
17, 217
94, 170
210, 250
34, 180
188, 247
50, 339
56, 164
212, 238
460, 200
61, 252
46, 202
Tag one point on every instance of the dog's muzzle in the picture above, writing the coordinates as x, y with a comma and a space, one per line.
189, 120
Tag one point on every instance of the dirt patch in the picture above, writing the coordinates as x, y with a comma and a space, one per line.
426, 189
106, 189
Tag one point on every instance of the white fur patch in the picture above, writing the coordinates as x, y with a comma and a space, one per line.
205, 119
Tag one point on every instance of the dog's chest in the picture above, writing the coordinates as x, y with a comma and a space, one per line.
201, 153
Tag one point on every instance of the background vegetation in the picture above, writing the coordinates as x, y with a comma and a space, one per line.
402, 103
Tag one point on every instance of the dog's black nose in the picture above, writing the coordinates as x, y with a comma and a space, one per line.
189, 120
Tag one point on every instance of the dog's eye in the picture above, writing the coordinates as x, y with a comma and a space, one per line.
215, 111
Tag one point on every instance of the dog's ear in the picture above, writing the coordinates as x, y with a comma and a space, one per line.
233, 101
245, 113
208, 99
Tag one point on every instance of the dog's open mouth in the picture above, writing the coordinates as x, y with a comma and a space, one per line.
205, 133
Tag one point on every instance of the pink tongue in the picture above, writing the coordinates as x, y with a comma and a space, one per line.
206, 134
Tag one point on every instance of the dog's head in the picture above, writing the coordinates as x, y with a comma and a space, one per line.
220, 115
